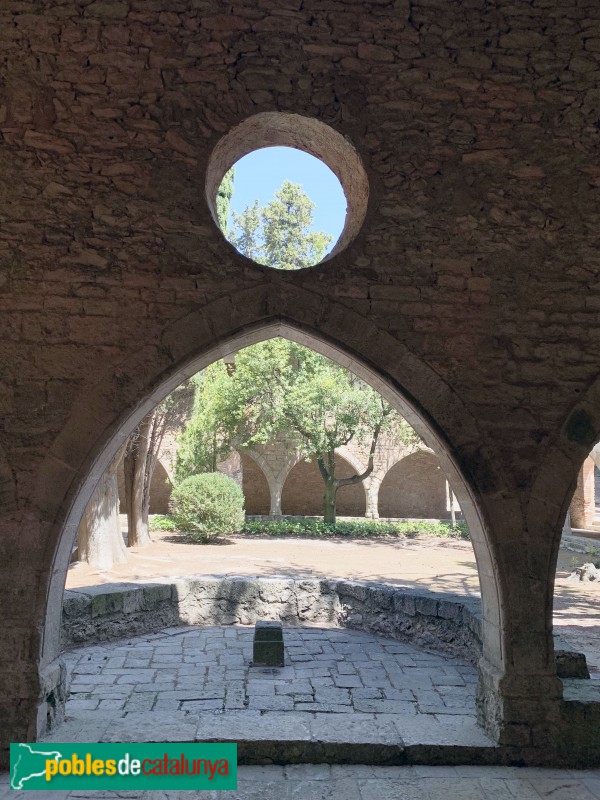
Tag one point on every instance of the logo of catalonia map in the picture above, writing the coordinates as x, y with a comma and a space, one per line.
30, 763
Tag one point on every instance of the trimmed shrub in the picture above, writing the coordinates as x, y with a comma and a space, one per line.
308, 527
207, 505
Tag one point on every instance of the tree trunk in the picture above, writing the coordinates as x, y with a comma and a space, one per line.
99, 539
137, 492
326, 462
450, 502
372, 505
141, 455
329, 497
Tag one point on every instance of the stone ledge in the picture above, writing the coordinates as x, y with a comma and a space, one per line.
448, 622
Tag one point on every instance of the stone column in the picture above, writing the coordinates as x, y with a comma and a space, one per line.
32, 693
275, 489
519, 696
583, 504
275, 459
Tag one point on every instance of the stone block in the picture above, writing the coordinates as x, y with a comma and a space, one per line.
570, 664
267, 649
107, 603
76, 606
381, 599
348, 589
427, 606
154, 594
405, 603
449, 610
268, 654
133, 601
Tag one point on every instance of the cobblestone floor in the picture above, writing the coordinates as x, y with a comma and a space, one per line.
195, 683
346, 782
375, 696
328, 671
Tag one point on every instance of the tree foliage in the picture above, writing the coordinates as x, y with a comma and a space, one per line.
280, 387
207, 436
278, 234
208, 505
224, 195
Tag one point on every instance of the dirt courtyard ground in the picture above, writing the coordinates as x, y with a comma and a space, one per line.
441, 565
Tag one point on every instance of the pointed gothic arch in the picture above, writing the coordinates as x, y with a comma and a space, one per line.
104, 415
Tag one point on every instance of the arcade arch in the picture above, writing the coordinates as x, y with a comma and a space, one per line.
255, 486
415, 486
88, 452
302, 493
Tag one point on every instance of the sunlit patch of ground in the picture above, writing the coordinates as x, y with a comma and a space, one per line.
443, 565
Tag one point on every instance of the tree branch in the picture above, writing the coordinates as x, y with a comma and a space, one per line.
371, 463
322, 467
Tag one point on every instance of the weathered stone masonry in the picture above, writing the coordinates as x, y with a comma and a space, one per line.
470, 295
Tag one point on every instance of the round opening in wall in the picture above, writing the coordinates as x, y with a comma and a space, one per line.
281, 207
287, 191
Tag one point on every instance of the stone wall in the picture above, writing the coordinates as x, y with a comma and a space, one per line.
110, 611
303, 491
409, 492
452, 623
160, 490
232, 467
414, 487
257, 499
469, 296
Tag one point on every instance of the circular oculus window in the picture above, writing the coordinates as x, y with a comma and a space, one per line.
298, 246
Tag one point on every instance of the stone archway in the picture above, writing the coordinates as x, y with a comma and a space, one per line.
415, 486
98, 427
257, 497
302, 493
547, 507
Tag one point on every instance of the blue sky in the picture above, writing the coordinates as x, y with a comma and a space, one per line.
260, 174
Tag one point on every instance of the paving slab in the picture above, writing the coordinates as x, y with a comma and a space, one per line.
280, 715
364, 782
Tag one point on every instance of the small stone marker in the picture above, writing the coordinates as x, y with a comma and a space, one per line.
268, 644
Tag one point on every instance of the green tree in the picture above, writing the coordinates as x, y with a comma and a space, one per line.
278, 234
207, 436
277, 387
224, 196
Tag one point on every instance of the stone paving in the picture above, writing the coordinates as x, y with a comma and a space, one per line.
374, 698
360, 782
327, 671
186, 684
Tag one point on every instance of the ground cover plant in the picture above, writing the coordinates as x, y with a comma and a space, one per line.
311, 527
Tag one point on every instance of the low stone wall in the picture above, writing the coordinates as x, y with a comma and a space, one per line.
109, 611
447, 622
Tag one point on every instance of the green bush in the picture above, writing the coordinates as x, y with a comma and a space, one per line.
593, 555
207, 505
352, 529
159, 522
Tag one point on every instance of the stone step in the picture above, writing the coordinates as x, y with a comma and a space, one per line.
357, 739
300, 737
